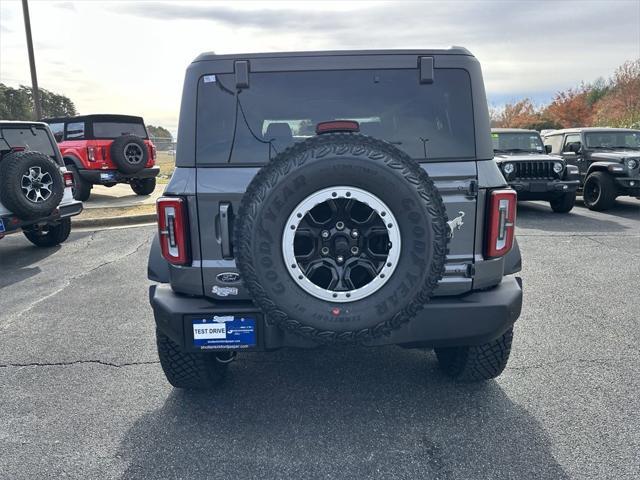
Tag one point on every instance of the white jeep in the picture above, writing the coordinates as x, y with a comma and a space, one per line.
35, 187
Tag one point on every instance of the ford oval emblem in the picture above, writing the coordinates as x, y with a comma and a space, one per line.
228, 277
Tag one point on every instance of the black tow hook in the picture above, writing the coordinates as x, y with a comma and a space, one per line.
226, 357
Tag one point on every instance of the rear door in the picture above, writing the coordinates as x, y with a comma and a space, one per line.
238, 131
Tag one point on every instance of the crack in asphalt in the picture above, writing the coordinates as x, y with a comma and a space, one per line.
78, 362
603, 362
69, 281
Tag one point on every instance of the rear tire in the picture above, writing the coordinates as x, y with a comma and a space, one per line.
143, 186
81, 188
476, 363
189, 371
51, 235
599, 191
563, 203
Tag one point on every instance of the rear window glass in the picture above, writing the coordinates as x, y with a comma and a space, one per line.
117, 129
281, 108
58, 131
25, 137
517, 142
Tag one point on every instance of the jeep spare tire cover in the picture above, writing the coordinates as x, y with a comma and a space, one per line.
129, 153
31, 185
341, 238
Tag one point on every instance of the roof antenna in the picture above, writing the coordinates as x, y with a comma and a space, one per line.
424, 147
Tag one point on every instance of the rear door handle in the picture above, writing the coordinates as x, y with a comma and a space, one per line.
225, 229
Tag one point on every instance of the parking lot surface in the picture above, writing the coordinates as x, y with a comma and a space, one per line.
82, 394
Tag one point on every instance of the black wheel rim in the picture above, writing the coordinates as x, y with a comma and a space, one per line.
592, 192
341, 247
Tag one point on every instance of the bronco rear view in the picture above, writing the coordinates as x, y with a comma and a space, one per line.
106, 150
334, 198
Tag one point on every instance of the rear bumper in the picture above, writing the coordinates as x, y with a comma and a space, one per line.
543, 189
114, 176
474, 318
12, 224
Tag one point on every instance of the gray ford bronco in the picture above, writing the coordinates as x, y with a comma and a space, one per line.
334, 198
608, 160
531, 171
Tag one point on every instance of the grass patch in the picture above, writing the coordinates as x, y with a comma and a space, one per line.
167, 164
91, 213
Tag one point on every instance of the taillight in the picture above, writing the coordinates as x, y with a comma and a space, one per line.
173, 229
153, 152
91, 154
501, 223
68, 179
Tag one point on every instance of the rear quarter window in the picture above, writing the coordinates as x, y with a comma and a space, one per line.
555, 141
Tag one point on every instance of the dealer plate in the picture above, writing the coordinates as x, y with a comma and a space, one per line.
107, 176
224, 332
538, 187
2, 229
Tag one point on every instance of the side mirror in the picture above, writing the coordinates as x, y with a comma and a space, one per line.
548, 148
575, 147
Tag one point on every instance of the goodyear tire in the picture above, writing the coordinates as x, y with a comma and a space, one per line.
31, 185
478, 362
563, 203
599, 192
129, 153
81, 188
360, 212
188, 371
143, 186
50, 235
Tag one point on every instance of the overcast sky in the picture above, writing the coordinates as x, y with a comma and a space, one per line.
130, 57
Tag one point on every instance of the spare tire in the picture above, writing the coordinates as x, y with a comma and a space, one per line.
341, 238
31, 185
129, 153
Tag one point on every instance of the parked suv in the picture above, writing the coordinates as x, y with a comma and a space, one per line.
106, 150
533, 173
334, 198
35, 187
608, 160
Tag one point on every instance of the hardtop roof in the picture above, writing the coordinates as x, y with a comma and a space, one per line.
99, 117
589, 129
513, 130
454, 50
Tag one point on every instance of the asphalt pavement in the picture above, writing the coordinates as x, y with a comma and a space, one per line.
82, 394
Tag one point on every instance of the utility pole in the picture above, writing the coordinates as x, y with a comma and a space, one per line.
32, 62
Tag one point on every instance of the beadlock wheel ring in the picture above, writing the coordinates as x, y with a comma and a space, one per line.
341, 245
133, 153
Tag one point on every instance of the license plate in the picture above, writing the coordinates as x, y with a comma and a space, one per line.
2, 229
107, 176
224, 332
538, 187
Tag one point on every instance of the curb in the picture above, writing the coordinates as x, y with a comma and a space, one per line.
114, 221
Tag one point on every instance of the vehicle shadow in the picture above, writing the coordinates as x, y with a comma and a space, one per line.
16, 260
19, 258
537, 216
624, 208
329, 413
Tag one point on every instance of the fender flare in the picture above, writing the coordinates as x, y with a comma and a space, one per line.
600, 167
72, 159
158, 267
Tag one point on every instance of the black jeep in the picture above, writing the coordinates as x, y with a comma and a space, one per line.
533, 173
334, 198
608, 160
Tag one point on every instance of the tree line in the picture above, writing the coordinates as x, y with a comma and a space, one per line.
17, 104
614, 102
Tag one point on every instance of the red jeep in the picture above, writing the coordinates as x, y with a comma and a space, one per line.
105, 150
